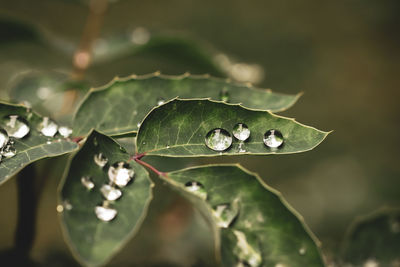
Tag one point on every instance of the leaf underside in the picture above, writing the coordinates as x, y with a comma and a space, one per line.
125, 102
179, 128
94, 241
374, 240
273, 232
32, 147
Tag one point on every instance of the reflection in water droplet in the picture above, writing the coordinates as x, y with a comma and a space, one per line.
110, 193
65, 131
273, 138
100, 160
196, 188
240, 148
218, 139
16, 126
224, 214
3, 138
302, 251
120, 173
87, 182
224, 95
241, 132
105, 213
48, 127
9, 151
247, 254
160, 101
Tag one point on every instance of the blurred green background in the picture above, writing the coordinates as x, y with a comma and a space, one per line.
344, 55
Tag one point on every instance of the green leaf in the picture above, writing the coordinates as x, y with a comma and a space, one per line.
92, 240
125, 102
33, 146
179, 128
374, 240
251, 222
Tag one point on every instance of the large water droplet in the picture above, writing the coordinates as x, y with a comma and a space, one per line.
105, 213
160, 101
241, 131
196, 188
224, 214
100, 160
273, 138
65, 131
9, 151
3, 138
120, 173
218, 139
87, 182
247, 254
16, 126
48, 127
224, 95
110, 193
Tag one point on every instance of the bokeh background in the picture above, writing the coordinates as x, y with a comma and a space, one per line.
344, 56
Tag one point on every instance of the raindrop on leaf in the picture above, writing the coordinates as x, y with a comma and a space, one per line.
218, 139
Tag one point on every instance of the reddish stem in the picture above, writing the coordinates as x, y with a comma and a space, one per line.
149, 166
77, 139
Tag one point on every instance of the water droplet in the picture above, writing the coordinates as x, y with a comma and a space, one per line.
48, 127
87, 182
224, 214
247, 254
110, 193
240, 148
302, 251
65, 131
224, 95
167, 146
160, 101
43, 92
60, 208
218, 139
100, 160
140, 36
273, 138
241, 131
3, 138
120, 173
67, 205
105, 213
196, 188
138, 125
48, 142
16, 126
9, 151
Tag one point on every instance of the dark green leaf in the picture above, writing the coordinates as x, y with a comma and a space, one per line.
92, 240
179, 128
32, 147
374, 240
125, 102
263, 229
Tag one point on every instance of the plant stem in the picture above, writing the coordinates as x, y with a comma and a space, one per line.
145, 164
27, 203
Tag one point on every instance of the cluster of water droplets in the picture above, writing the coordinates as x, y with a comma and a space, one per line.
219, 139
119, 175
12, 127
